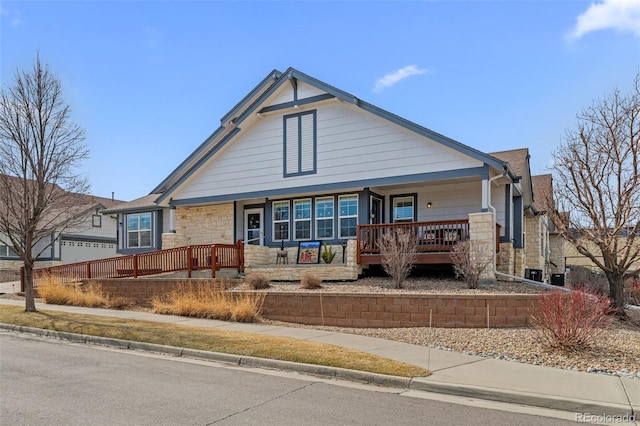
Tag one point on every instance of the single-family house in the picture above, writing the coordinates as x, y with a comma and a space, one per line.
299, 161
76, 232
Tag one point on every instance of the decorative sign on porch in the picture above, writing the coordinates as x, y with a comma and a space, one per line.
309, 252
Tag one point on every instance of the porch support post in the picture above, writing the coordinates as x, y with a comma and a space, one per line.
485, 194
482, 231
172, 219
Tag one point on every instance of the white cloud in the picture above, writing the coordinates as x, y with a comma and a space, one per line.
391, 79
622, 15
15, 18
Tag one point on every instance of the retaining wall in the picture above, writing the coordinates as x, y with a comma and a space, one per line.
358, 309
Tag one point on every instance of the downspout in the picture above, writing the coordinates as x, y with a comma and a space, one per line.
495, 269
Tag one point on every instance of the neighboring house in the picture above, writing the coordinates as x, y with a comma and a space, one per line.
92, 236
299, 160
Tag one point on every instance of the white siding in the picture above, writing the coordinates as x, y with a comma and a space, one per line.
351, 145
448, 201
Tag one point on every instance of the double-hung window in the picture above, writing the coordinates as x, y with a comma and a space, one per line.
403, 209
324, 218
347, 216
280, 220
302, 219
139, 230
300, 144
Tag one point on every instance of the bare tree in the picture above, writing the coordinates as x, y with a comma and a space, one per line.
399, 249
597, 187
470, 260
39, 149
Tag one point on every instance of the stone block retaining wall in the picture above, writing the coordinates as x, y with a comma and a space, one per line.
357, 309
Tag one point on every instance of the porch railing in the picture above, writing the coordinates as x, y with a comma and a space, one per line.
430, 237
189, 258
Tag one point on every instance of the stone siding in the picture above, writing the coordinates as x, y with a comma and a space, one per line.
556, 243
204, 225
261, 259
482, 229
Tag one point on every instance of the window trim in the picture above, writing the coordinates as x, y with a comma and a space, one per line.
287, 221
414, 198
332, 218
340, 217
314, 139
309, 219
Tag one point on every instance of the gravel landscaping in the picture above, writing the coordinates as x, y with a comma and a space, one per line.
615, 351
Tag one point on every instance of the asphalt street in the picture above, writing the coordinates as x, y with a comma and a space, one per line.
45, 381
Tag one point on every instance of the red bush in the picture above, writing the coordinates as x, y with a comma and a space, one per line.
571, 320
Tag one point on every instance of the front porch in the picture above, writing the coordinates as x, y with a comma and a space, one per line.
434, 240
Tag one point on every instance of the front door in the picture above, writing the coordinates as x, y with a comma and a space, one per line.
253, 226
376, 210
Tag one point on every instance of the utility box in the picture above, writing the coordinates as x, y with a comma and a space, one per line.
533, 274
557, 279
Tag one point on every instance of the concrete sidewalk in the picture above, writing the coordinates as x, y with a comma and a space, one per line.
453, 373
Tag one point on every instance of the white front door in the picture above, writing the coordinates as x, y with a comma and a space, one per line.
253, 226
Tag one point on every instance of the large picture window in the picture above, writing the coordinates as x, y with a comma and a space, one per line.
324, 218
302, 219
139, 230
347, 216
280, 220
300, 144
404, 208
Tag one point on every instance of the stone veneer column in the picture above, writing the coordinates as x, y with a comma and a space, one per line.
482, 229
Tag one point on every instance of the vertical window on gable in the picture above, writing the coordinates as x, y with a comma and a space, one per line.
302, 219
300, 144
280, 220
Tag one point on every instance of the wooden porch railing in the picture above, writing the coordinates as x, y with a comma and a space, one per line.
189, 258
431, 237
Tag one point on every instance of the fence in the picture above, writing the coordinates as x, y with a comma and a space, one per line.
189, 258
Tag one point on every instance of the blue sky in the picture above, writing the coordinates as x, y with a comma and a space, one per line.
150, 80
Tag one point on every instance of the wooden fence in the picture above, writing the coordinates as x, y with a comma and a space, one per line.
189, 258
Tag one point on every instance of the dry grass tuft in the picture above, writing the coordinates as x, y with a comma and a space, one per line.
203, 301
310, 281
257, 282
53, 291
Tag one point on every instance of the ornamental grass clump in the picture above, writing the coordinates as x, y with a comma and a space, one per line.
257, 281
55, 292
310, 281
212, 302
571, 320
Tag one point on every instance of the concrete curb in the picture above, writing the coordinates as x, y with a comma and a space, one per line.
511, 397
418, 383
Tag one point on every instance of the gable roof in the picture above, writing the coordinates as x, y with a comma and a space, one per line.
253, 104
517, 158
145, 203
